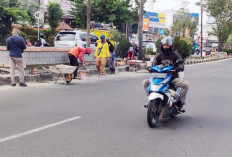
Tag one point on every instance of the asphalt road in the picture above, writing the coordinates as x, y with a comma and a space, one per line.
108, 120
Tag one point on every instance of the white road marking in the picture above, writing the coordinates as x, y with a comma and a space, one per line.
212, 75
38, 129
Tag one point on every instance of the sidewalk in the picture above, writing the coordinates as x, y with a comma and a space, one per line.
44, 76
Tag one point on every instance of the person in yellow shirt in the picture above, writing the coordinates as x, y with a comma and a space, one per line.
102, 55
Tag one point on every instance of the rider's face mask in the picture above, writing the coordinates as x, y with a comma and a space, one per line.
166, 48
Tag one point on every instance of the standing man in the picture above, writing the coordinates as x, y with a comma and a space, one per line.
112, 56
102, 54
16, 45
74, 54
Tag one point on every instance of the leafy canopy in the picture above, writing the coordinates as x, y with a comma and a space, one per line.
54, 15
11, 13
105, 11
221, 11
185, 21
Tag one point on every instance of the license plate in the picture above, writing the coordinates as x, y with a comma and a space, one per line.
159, 75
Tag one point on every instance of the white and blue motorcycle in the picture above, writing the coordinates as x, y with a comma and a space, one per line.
162, 95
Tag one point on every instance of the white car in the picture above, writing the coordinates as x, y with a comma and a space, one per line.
70, 39
151, 46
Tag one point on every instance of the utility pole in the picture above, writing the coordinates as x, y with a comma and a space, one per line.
141, 29
201, 27
88, 22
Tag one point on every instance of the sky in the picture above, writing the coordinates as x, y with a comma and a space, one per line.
164, 5
168, 6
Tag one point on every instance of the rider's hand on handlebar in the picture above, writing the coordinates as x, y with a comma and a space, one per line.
148, 68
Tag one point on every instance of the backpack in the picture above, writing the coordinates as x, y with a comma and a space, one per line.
39, 42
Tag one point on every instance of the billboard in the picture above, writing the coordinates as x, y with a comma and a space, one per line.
187, 32
193, 15
145, 24
155, 17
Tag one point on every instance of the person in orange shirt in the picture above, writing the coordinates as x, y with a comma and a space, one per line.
74, 54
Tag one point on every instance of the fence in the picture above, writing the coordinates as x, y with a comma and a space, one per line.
40, 58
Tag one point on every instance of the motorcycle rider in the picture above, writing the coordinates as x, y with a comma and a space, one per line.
167, 55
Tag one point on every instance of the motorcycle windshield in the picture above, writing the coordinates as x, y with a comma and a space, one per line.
161, 68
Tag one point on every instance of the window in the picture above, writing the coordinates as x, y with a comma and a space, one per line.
83, 36
156, 30
93, 38
70, 36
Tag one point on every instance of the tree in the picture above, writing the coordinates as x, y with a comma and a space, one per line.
183, 48
31, 9
221, 11
105, 11
166, 31
122, 43
158, 45
79, 12
10, 13
185, 21
54, 15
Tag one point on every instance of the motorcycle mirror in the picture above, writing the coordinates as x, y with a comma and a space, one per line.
180, 61
146, 58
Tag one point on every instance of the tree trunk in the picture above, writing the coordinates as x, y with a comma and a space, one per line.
88, 22
141, 55
220, 43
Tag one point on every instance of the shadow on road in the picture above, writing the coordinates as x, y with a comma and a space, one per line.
178, 122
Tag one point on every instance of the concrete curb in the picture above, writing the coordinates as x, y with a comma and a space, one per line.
205, 60
6, 80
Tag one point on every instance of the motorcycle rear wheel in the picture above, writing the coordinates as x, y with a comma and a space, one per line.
152, 113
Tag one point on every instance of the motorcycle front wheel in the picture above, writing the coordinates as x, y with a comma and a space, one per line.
153, 113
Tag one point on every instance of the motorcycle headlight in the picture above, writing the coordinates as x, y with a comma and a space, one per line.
164, 81
155, 87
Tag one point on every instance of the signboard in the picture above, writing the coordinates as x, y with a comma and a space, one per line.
38, 15
187, 32
194, 16
156, 17
162, 31
145, 24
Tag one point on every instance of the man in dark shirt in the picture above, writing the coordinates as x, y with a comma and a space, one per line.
112, 56
168, 56
16, 45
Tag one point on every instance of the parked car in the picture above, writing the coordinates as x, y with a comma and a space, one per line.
69, 39
208, 49
151, 46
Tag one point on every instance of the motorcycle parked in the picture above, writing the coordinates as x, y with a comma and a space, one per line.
162, 95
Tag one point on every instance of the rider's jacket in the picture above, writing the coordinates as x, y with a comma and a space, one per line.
170, 58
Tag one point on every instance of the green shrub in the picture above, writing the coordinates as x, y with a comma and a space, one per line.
228, 51
33, 39
158, 45
184, 49
124, 43
50, 40
29, 31
176, 43
2, 41
123, 47
149, 51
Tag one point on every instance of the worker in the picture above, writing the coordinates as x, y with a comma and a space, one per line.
74, 54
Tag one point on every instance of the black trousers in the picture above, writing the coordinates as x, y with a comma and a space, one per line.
73, 62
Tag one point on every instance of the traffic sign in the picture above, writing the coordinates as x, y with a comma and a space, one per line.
38, 15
